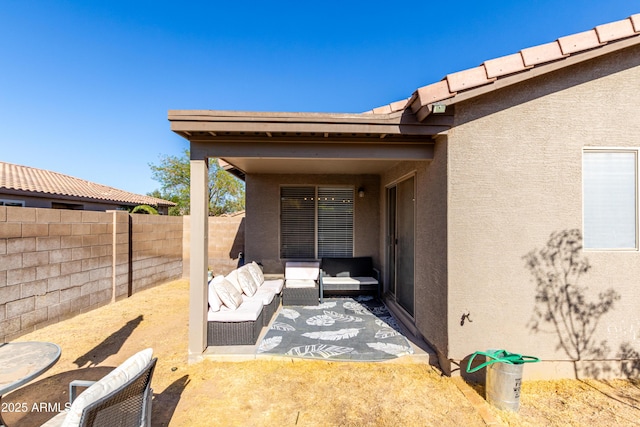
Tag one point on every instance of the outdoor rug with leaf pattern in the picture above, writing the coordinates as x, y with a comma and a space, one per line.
357, 329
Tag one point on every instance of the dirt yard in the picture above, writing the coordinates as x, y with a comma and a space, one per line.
286, 393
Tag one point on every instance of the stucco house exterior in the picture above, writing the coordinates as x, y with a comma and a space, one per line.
39, 188
474, 197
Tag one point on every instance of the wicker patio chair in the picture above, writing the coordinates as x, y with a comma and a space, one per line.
128, 405
301, 283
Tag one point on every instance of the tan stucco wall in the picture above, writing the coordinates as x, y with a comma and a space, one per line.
430, 242
262, 223
515, 160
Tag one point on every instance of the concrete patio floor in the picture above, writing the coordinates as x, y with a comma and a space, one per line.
422, 353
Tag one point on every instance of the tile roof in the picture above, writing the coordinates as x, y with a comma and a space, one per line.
28, 179
520, 63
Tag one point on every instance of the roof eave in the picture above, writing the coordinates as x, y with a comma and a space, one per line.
423, 100
84, 199
217, 124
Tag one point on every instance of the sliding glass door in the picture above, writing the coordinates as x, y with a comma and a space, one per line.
400, 242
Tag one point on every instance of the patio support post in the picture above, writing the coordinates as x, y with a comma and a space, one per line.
199, 256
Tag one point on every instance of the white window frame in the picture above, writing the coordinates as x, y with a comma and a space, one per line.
316, 239
636, 153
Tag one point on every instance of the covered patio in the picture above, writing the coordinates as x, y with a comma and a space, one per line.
271, 150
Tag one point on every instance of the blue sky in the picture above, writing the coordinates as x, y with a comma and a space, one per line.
85, 86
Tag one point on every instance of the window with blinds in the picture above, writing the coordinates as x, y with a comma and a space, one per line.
609, 197
335, 222
297, 222
316, 222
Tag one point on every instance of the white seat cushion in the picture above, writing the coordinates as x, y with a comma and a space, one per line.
114, 379
264, 295
56, 421
275, 285
249, 311
349, 281
300, 283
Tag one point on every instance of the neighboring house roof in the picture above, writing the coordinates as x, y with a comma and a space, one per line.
39, 181
528, 63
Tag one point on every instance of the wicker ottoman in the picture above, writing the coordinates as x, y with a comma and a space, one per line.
301, 283
300, 296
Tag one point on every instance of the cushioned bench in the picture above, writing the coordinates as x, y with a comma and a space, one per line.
240, 305
354, 274
241, 326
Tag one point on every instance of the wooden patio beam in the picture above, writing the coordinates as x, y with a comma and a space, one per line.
313, 150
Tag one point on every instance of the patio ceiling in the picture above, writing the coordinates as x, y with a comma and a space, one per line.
314, 143
305, 166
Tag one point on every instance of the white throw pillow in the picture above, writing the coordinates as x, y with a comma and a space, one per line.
247, 282
114, 379
214, 299
256, 272
233, 279
227, 293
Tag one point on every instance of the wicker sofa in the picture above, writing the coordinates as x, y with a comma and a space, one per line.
240, 305
349, 275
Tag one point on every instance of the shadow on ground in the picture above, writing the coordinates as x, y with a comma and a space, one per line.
110, 346
165, 403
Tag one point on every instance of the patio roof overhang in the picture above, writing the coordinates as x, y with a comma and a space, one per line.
288, 143
253, 142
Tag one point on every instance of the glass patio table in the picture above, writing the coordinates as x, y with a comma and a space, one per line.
20, 362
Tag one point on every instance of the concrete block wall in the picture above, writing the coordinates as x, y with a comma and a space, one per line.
121, 255
156, 243
55, 264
